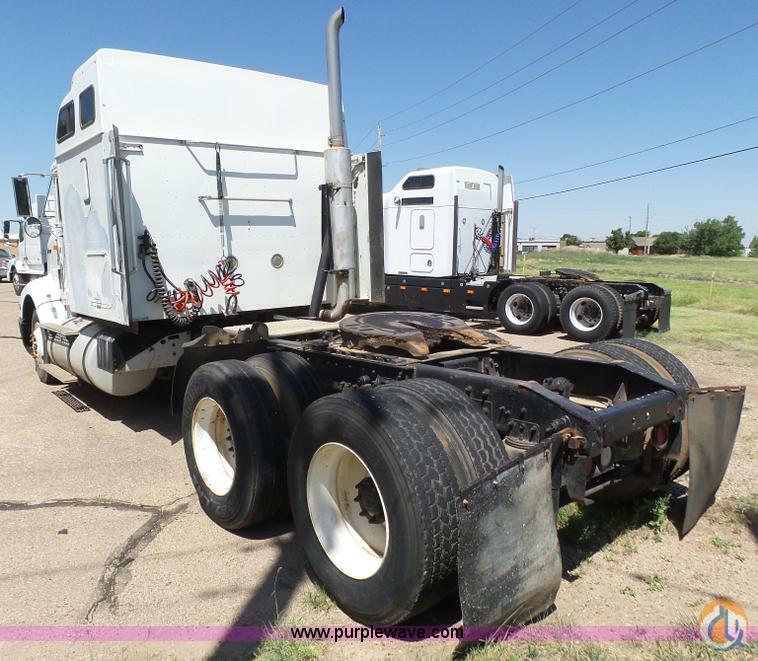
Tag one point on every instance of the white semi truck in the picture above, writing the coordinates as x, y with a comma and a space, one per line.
450, 246
34, 230
409, 448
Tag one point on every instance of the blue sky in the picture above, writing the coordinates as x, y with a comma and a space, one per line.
396, 53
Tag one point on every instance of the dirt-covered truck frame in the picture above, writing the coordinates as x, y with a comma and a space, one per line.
409, 448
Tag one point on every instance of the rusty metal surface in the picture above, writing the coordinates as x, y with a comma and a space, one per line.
713, 416
416, 333
509, 561
213, 336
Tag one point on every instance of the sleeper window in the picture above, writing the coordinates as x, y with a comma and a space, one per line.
419, 182
65, 122
87, 107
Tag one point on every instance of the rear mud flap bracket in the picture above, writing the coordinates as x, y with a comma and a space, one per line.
509, 561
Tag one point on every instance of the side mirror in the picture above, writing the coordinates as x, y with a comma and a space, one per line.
6, 228
23, 197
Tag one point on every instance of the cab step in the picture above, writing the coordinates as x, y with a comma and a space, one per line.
58, 373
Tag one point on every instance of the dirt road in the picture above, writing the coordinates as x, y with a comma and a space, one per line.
100, 525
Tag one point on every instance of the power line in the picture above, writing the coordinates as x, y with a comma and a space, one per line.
536, 78
641, 151
484, 64
638, 174
360, 142
517, 71
566, 106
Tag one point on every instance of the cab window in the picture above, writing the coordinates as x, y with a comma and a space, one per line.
65, 122
87, 107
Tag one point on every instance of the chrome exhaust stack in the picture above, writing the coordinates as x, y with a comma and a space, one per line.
338, 171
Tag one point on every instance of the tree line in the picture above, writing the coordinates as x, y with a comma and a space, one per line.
718, 238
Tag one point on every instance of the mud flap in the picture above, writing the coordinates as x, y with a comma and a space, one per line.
509, 561
713, 415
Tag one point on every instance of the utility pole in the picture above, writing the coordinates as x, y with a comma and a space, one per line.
647, 233
379, 136
630, 224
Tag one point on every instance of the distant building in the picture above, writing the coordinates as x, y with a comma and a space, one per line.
642, 242
537, 245
597, 245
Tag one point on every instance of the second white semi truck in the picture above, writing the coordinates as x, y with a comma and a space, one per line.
215, 229
450, 246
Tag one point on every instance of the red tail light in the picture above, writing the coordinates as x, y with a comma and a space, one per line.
661, 436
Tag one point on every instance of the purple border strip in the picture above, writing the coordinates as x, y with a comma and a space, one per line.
349, 634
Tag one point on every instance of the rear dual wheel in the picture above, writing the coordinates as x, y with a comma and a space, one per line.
237, 421
234, 444
526, 308
591, 312
374, 477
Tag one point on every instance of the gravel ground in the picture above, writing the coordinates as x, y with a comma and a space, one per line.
100, 526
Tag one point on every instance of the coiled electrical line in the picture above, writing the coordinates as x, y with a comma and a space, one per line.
182, 305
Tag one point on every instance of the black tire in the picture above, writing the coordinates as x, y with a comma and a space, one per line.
551, 302
294, 382
42, 375
677, 371
595, 299
258, 486
528, 309
612, 352
669, 367
418, 492
617, 298
18, 283
473, 444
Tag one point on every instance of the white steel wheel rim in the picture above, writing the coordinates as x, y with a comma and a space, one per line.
519, 309
585, 314
354, 545
213, 446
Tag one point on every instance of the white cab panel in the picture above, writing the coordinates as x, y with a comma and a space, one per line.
423, 234
170, 115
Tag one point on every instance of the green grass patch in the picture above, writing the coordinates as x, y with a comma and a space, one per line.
746, 508
670, 651
654, 583
613, 528
722, 544
518, 651
714, 299
288, 650
317, 598
728, 270
579, 525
